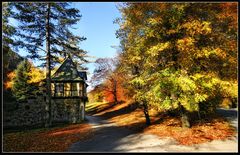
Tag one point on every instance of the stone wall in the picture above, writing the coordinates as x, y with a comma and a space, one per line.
30, 113
33, 113
67, 110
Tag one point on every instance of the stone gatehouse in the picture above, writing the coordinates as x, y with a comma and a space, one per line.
69, 98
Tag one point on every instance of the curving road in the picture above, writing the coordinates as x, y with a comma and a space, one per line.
108, 137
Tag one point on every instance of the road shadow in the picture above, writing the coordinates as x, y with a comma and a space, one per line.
107, 136
231, 114
110, 138
135, 127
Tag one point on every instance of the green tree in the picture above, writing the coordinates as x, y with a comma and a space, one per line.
10, 63
7, 30
21, 88
10, 59
48, 23
181, 56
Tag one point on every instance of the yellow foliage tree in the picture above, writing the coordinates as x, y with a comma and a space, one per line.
182, 58
36, 75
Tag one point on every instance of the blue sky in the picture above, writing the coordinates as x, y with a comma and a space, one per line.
97, 26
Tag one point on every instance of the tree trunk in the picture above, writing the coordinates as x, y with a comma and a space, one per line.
115, 91
184, 118
145, 110
48, 122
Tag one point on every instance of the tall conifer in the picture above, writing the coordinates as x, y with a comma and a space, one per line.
45, 27
22, 89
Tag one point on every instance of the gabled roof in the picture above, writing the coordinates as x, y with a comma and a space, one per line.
68, 72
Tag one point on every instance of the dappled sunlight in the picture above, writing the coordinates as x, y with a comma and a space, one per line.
164, 125
47, 140
217, 129
69, 131
115, 108
96, 106
129, 118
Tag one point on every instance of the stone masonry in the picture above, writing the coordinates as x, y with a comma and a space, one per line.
32, 112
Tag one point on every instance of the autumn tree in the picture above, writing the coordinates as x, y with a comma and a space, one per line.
96, 94
104, 73
10, 63
181, 57
109, 81
10, 59
48, 23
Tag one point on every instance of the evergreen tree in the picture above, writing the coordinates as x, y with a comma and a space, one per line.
48, 23
7, 29
22, 89
10, 59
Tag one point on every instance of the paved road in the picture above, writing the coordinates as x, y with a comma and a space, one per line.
109, 137
231, 115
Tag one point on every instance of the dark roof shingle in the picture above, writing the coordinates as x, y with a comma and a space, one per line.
68, 72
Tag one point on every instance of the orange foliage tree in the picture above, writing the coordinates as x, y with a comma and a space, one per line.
108, 74
109, 86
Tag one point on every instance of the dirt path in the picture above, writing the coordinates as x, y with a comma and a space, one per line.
111, 138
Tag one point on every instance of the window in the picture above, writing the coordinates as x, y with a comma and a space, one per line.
81, 89
52, 88
74, 89
59, 89
67, 89
84, 90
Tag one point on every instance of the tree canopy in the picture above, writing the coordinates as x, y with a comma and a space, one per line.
33, 28
182, 55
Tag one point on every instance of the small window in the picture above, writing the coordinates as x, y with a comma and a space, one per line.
52, 88
67, 89
74, 89
59, 89
84, 90
81, 89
